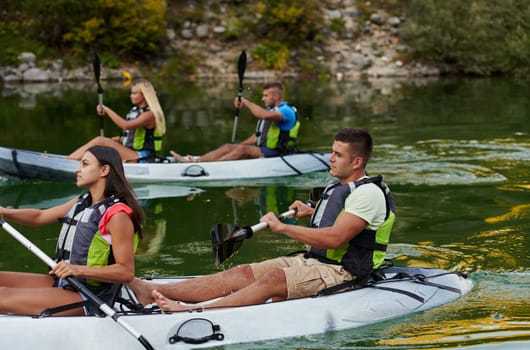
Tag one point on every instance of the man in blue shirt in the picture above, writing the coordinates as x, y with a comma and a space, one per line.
276, 131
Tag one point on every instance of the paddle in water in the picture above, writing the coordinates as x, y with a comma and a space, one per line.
97, 72
226, 241
241, 66
105, 308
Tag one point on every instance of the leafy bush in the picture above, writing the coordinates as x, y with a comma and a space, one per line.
291, 21
282, 26
479, 37
132, 29
476, 36
271, 54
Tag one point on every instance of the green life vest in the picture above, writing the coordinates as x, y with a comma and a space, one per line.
141, 139
269, 135
366, 251
80, 241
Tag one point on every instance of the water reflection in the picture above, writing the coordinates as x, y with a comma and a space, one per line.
265, 199
481, 317
454, 152
41, 195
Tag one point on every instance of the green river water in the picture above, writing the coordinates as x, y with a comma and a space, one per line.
456, 154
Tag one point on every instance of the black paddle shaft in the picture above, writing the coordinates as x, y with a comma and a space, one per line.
97, 73
226, 241
241, 66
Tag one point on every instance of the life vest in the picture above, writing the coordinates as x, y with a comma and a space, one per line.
268, 134
80, 241
141, 139
366, 251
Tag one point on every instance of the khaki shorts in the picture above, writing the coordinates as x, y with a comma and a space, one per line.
305, 277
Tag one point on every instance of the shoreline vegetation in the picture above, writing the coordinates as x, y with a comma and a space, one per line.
295, 39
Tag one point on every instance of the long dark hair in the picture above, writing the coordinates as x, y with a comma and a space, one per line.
117, 184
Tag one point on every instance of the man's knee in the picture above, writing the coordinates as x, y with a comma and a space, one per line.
99, 140
241, 270
273, 277
228, 146
244, 151
275, 283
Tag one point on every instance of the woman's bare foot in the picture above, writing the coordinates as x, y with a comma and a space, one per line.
166, 304
143, 290
181, 159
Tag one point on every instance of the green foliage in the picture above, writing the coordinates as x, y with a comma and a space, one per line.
310, 68
271, 54
49, 20
124, 29
338, 25
282, 26
235, 27
13, 34
479, 37
290, 21
179, 66
134, 27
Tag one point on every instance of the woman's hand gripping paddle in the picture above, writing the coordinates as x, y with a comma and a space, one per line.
241, 66
97, 71
105, 308
226, 242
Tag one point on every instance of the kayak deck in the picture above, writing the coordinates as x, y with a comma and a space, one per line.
415, 290
47, 166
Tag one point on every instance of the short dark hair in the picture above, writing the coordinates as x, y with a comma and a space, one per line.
360, 141
274, 85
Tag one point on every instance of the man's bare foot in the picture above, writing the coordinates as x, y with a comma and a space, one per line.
143, 290
166, 304
181, 159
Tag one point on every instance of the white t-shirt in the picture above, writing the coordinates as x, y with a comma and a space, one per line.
367, 202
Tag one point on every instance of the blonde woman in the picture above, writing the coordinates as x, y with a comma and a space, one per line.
143, 127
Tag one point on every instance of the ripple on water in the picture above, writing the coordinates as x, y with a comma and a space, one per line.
443, 162
494, 315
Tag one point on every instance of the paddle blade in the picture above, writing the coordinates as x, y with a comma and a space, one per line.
226, 241
97, 72
241, 66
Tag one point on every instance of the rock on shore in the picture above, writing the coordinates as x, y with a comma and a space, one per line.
372, 49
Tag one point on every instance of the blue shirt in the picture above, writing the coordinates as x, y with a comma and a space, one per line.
288, 116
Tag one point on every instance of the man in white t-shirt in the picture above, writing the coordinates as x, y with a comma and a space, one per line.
347, 238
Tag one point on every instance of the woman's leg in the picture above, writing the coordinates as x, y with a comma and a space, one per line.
24, 280
32, 301
30, 293
126, 154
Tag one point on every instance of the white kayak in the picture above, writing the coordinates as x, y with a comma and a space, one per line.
47, 166
404, 290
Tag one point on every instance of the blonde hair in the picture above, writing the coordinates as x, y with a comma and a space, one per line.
151, 99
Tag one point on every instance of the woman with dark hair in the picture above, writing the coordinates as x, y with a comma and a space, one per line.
99, 234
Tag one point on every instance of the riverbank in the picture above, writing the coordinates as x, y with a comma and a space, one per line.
362, 49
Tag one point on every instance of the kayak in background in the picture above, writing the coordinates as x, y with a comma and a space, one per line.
48, 166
